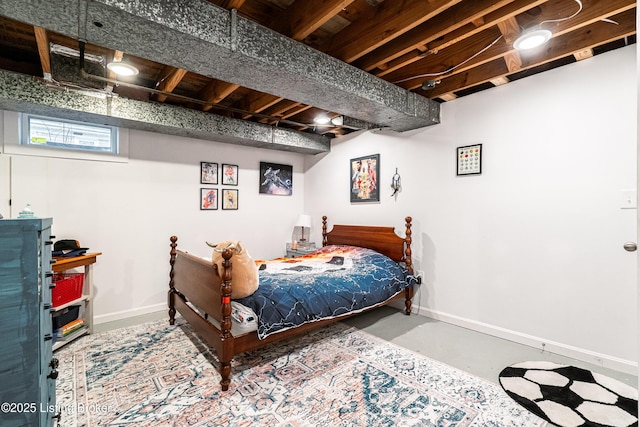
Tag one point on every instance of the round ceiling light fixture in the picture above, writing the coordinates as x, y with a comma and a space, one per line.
322, 120
531, 38
122, 69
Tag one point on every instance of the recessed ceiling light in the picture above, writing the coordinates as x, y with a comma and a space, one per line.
122, 69
322, 120
531, 38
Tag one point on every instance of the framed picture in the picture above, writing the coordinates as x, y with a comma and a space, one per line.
364, 172
276, 179
229, 174
208, 199
208, 173
229, 199
469, 159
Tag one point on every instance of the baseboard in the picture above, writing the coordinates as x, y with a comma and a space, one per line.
125, 314
604, 360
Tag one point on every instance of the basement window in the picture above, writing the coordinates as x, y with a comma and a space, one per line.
33, 135
68, 134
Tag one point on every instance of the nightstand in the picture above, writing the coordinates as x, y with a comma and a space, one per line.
300, 250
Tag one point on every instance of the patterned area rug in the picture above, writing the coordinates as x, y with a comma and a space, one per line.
569, 396
160, 375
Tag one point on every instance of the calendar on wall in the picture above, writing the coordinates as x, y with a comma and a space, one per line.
469, 160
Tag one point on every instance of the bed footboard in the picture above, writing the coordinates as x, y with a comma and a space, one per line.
197, 281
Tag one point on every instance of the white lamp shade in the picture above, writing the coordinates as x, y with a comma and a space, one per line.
304, 221
531, 38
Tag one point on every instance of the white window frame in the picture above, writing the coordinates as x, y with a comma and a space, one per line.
16, 133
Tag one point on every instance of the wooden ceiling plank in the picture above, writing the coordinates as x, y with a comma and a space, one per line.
174, 77
595, 12
42, 40
450, 57
394, 19
510, 30
458, 35
511, 10
513, 61
215, 91
233, 4
448, 96
438, 63
562, 46
585, 54
281, 107
296, 111
118, 55
305, 17
416, 38
481, 74
500, 80
259, 102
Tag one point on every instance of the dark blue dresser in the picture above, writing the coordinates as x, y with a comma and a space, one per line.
27, 368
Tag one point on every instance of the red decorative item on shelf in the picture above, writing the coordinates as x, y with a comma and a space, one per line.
68, 288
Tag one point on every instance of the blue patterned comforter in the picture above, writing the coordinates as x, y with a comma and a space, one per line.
327, 283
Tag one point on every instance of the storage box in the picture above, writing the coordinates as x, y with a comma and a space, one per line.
64, 316
68, 288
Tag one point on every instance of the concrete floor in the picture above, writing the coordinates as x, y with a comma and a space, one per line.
474, 352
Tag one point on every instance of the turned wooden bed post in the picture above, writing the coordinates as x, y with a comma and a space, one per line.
407, 260
324, 230
225, 325
172, 289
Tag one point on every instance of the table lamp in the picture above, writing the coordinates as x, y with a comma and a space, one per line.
303, 221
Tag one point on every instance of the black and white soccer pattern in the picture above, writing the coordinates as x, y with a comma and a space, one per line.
569, 396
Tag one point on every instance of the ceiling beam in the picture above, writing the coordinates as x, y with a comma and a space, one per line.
437, 44
414, 41
172, 78
393, 19
220, 44
467, 52
23, 93
42, 40
560, 47
304, 17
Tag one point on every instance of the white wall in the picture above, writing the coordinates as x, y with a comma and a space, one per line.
129, 210
530, 250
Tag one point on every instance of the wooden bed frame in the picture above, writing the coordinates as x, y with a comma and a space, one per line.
195, 280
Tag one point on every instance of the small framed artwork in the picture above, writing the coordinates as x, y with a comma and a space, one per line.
469, 160
208, 173
229, 199
229, 174
364, 172
208, 199
276, 179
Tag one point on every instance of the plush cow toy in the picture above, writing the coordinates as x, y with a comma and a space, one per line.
244, 272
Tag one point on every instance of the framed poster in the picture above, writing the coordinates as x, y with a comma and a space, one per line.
364, 172
229, 199
208, 173
469, 160
208, 199
276, 179
229, 174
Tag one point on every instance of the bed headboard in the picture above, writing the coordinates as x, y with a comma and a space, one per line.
381, 239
